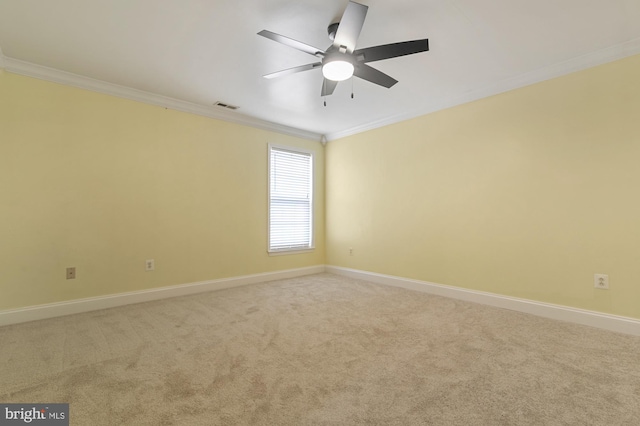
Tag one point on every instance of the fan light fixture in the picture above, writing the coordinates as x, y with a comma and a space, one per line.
337, 70
339, 61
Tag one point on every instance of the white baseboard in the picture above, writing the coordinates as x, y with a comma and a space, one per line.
51, 310
558, 312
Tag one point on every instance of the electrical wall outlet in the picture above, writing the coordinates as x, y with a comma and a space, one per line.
601, 281
350, 251
71, 273
149, 265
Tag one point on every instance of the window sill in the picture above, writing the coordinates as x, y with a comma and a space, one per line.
291, 251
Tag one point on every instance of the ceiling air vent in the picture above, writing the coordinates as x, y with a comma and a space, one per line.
227, 106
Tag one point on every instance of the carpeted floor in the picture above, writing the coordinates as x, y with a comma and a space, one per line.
321, 350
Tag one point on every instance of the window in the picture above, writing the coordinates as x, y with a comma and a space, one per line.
290, 199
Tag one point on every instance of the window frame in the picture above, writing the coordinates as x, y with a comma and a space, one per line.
293, 250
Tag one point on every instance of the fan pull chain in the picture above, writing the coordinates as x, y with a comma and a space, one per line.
325, 101
351, 87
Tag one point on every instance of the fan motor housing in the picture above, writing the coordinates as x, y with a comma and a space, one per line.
332, 30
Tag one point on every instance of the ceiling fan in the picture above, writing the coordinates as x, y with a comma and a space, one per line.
341, 60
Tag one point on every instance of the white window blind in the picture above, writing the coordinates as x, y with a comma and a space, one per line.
290, 199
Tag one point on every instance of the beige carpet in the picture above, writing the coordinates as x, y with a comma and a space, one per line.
321, 350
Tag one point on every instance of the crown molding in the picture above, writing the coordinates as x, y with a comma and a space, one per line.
62, 77
603, 56
589, 60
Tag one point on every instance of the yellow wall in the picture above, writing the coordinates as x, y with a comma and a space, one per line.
527, 194
103, 183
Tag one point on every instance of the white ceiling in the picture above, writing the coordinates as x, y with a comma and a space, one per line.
192, 53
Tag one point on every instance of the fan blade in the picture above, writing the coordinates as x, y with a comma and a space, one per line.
393, 50
292, 43
293, 70
350, 26
365, 72
328, 86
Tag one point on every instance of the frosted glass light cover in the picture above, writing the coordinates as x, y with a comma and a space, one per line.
337, 70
